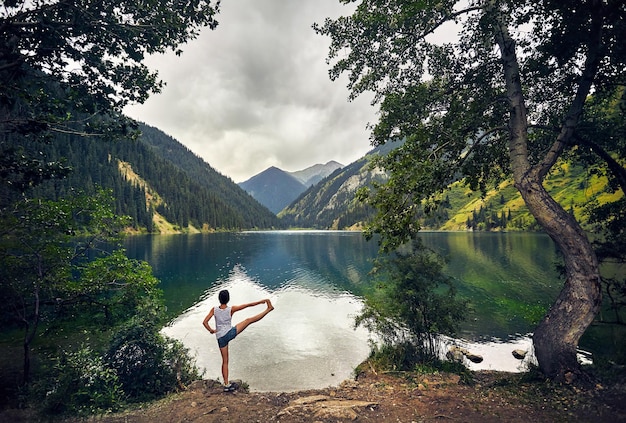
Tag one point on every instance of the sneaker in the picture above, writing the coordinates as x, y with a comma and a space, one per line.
230, 387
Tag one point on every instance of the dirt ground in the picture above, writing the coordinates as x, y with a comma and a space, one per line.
385, 397
381, 397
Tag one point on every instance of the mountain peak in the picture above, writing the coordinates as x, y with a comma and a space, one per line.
313, 174
276, 188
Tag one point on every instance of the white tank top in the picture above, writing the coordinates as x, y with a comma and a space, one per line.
222, 321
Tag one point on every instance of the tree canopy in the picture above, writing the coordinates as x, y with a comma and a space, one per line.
63, 63
506, 92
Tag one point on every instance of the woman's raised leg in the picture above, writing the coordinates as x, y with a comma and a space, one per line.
244, 324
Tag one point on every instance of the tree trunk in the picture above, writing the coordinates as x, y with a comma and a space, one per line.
26, 364
556, 338
557, 335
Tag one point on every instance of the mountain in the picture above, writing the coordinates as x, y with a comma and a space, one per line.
276, 188
157, 181
312, 175
331, 203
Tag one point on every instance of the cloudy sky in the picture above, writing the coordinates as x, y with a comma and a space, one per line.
255, 92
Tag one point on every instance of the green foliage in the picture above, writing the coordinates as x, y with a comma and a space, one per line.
445, 100
77, 383
105, 42
412, 305
55, 267
447, 367
406, 357
148, 364
42, 243
115, 287
403, 356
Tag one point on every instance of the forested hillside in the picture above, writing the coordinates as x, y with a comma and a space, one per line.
164, 187
158, 182
254, 214
276, 188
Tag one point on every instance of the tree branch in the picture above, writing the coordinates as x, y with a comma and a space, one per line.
616, 169
590, 69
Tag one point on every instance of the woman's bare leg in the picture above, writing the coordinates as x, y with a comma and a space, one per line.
224, 352
244, 324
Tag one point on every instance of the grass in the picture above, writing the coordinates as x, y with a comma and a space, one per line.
571, 186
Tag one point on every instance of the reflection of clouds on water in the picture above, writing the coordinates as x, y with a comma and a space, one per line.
307, 342
498, 354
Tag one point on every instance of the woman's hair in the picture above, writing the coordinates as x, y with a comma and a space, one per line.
224, 296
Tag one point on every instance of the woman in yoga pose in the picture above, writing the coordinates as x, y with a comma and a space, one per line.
225, 331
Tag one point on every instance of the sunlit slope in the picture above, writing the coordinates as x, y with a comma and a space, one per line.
571, 186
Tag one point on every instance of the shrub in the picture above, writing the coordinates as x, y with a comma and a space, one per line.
412, 304
78, 383
147, 363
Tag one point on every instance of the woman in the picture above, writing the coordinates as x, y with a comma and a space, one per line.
225, 331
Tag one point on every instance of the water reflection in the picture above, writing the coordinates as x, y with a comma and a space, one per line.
509, 279
306, 342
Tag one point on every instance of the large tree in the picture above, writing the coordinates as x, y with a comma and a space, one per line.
506, 95
52, 266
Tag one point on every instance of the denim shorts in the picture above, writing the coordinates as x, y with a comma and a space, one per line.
230, 335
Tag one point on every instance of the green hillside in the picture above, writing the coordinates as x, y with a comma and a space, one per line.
331, 203
503, 208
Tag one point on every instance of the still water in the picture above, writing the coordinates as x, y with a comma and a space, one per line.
315, 280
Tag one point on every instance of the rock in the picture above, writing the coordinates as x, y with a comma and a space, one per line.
474, 358
455, 354
309, 400
519, 354
326, 408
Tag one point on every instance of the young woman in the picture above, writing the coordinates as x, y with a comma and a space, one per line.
225, 331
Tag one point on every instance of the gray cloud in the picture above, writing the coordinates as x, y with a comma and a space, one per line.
255, 92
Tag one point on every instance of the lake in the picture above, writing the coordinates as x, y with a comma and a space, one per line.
315, 280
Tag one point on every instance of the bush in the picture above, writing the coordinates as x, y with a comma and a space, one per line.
412, 304
147, 363
398, 357
78, 383
406, 357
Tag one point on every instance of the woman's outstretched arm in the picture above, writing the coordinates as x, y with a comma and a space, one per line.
242, 306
